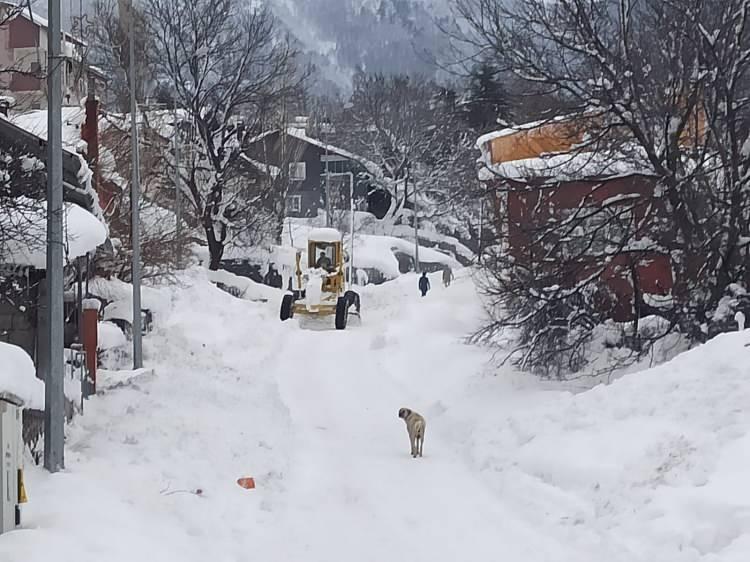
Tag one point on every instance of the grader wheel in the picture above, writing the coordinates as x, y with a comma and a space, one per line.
287, 307
342, 313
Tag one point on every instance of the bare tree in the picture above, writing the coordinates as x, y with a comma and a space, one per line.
225, 62
22, 180
661, 85
411, 129
110, 51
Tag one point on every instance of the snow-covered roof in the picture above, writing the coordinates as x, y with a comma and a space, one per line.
160, 121
566, 167
300, 134
18, 377
267, 169
35, 122
324, 235
83, 232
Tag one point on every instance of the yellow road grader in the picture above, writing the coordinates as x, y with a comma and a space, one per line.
320, 289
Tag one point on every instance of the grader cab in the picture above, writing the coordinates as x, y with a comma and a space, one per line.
319, 289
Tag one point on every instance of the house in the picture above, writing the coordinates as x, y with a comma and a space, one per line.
81, 136
311, 168
23, 57
539, 175
23, 262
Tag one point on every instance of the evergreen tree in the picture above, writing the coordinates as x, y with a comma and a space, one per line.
487, 100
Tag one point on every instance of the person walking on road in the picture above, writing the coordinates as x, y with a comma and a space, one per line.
424, 283
447, 276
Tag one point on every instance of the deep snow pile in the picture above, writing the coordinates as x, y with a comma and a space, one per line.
83, 233
374, 248
18, 376
650, 468
654, 464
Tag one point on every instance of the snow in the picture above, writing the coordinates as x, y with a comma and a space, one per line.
379, 252
35, 122
110, 336
371, 251
564, 167
118, 296
324, 235
18, 377
83, 232
651, 467
248, 289
107, 379
161, 121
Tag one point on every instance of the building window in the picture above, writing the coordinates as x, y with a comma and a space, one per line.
297, 171
36, 69
294, 204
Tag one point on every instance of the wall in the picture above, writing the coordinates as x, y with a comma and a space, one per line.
527, 206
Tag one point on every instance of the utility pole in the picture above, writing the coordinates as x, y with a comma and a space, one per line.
351, 232
178, 195
54, 410
329, 218
481, 225
135, 189
416, 222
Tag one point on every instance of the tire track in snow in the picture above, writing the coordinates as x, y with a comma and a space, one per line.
353, 490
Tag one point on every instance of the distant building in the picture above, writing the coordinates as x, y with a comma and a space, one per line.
307, 165
23, 59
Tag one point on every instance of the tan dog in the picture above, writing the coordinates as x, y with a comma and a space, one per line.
415, 426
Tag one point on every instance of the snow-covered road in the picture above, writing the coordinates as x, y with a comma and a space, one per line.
356, 492
649, 468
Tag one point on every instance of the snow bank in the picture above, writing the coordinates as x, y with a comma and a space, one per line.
656, 461
379, 252
371, 251
119, 298
110, 336
247, 288
18, 376
83, 232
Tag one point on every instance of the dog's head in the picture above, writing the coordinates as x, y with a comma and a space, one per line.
403, 412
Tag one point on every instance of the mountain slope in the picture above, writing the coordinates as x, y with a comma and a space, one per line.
375, 35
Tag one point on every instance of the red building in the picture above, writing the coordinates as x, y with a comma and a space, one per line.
542, 181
